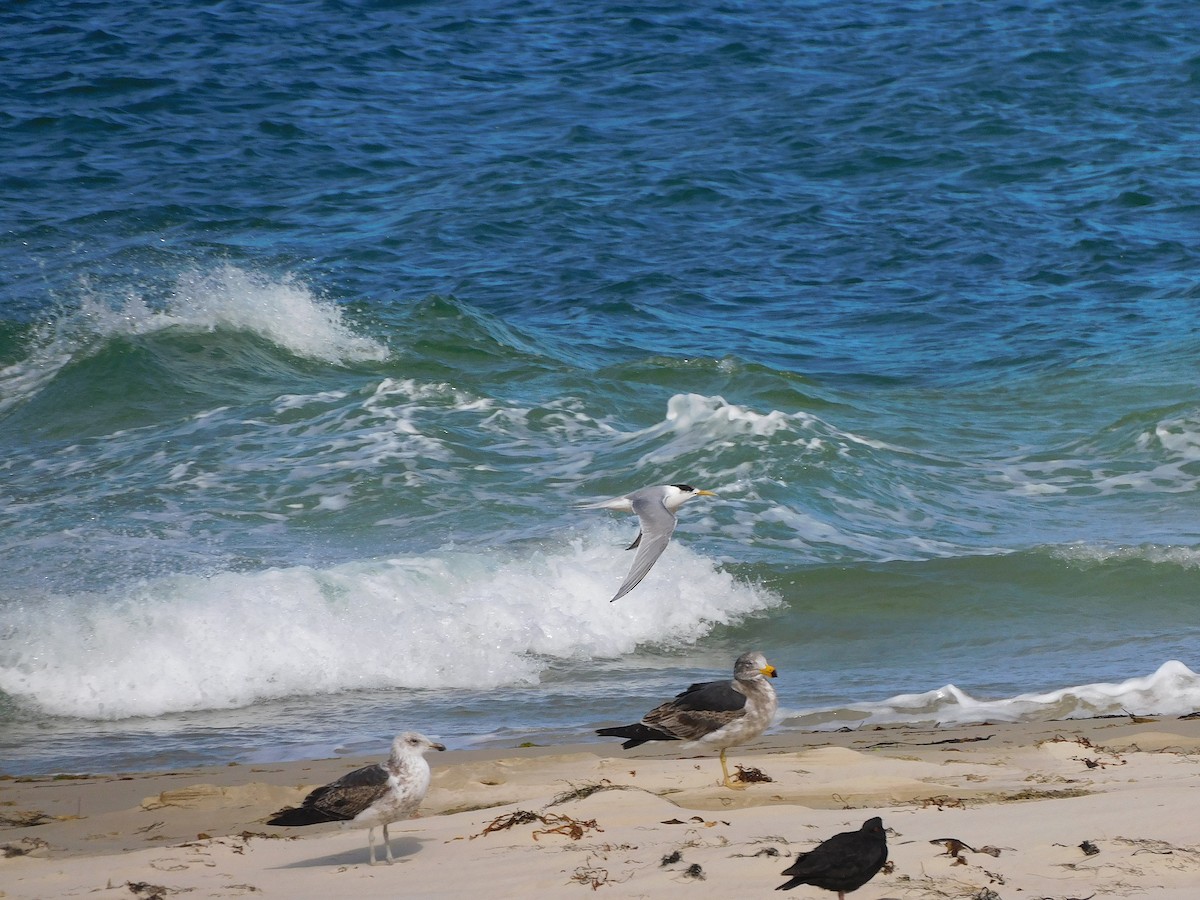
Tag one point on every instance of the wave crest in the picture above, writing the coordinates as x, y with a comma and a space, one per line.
1173, 689
283, 311
450, 620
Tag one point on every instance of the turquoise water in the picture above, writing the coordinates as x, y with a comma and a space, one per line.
317, 320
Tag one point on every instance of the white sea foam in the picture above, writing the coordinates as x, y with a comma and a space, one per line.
1158, 554
695, 422
1155, 461
454, 619
1178, 436
708, 418
281, 310
1172, 690
284, 311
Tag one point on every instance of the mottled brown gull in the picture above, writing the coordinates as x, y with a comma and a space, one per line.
712, 714
373, 795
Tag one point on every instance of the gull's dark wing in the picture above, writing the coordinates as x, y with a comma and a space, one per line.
700, 710
339, 800
350, 794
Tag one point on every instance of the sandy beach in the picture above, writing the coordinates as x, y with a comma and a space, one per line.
1069, 809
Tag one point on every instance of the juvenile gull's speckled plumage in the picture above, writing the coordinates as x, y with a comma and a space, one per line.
655, 508
718, 714
373, 795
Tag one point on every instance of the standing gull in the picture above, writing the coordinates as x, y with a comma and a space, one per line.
844, 863
655, 508
718, 714
373, 795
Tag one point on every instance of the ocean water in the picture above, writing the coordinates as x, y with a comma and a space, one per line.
318, 319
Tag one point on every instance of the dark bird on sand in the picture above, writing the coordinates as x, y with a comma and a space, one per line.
373, 795
844, 863
719, 714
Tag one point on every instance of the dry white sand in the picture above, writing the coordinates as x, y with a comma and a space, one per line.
1020, 803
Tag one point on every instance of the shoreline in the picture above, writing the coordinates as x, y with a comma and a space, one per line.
649, 822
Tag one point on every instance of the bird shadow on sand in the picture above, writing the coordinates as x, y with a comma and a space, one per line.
401, 847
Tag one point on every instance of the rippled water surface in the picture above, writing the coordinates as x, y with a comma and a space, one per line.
317, 321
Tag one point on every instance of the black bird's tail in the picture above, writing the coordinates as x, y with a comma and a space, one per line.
637, 734
300, 815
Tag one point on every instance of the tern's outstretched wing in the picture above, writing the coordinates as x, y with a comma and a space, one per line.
657, 524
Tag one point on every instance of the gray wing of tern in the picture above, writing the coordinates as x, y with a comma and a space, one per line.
657, 524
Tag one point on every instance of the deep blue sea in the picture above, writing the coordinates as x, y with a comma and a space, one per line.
318, 319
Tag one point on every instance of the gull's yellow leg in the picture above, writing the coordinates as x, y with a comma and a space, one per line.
734, 785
